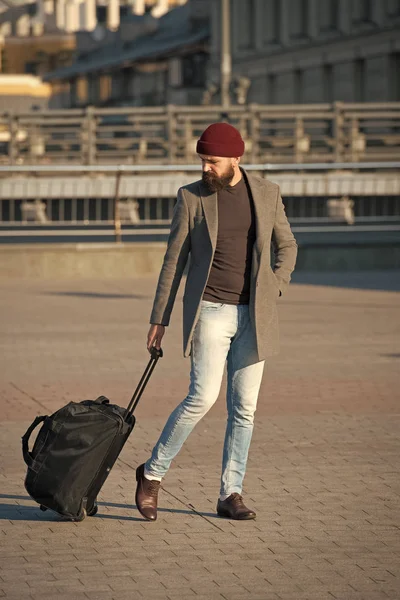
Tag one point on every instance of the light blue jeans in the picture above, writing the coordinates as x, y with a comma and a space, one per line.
223, 334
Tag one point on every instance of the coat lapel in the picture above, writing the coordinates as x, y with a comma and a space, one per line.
260, 209
210, 208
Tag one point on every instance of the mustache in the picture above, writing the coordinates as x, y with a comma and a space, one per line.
215, 183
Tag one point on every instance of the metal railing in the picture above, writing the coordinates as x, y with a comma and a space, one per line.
304, 133
145, 195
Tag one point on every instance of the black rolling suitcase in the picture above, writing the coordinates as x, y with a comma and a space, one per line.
76, 449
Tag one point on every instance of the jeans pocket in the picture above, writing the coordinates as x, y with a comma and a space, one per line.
208, 306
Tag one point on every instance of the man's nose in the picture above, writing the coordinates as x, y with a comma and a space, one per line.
206, 168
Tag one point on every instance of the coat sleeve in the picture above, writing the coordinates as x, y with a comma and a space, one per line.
174, 263
284, 245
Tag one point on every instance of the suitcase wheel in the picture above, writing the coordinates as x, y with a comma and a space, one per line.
93, 511
80, 517
43, 508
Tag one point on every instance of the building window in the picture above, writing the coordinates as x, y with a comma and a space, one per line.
72, 93
101, 14
126, 79
31, 68
271, 88
359, 80
94, 88
194, 70
124, 12
64, 58
361, 11
245, 26
43, 62
394, 77
393, 8
343, 82
328, 15
52, 62
272, 21
4, 61
327, 82
298, 19
110, 88
298, 86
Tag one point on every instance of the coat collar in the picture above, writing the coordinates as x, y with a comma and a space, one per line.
210, 207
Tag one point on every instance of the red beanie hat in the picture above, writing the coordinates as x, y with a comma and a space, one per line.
220, 139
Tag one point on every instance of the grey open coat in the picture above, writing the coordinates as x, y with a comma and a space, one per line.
194, 230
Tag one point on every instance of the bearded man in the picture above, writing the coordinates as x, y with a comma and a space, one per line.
226, 223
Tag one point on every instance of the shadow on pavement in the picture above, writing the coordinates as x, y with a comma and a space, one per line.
363, 280
97, 295
160, 509
16, 512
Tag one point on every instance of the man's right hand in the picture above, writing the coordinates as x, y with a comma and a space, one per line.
154, 337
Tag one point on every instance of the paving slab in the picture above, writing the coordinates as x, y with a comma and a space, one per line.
323, 472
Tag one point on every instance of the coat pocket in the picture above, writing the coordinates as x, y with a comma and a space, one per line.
275, 283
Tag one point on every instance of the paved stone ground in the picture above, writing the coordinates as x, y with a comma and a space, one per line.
323, 473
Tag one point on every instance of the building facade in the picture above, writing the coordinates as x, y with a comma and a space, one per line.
139, 52
40, 36
306, 51
147, 61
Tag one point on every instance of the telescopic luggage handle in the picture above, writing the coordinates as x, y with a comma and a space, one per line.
155, 355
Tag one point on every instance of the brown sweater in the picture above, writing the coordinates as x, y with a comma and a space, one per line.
229, 280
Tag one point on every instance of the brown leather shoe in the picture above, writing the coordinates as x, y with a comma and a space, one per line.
233, 508
146, 495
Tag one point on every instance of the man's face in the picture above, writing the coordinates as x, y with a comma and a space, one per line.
218, 171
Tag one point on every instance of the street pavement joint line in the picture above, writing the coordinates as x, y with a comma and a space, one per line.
29, 396
190, 506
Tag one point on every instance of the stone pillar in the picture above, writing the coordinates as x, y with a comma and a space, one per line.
44, 7
113, 14
160, 8
23, 26
88, 19
60, 14
49, 6
71, 16
139, 7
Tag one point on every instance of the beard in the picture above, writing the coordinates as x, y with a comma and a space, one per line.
216, 183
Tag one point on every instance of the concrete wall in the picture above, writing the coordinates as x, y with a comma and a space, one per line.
69, 261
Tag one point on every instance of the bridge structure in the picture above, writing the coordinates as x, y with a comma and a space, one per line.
302, 133
144, 195
111, 175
